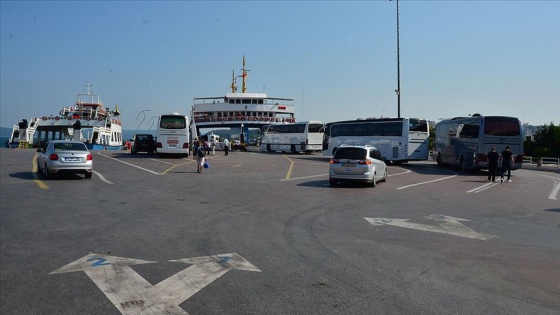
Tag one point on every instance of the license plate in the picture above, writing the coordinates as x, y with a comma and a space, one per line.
172, 146
349, 164
72, 159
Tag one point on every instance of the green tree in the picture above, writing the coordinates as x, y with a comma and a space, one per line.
547, 142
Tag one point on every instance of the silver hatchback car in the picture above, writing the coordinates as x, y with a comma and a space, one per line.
357, 163
64, 156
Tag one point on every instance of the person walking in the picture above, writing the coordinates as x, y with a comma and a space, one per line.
213, 146
226, 146
507, 161
493, 158
200, 157
195, 148
207, 147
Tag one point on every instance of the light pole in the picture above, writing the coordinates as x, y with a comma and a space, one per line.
152, 122
398, 90
143, 117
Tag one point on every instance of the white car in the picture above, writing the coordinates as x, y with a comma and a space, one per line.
357, 163
64, 156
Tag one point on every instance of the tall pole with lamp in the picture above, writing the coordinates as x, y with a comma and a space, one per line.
398, 90
143, 117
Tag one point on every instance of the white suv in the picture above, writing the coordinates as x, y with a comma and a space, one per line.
357, 163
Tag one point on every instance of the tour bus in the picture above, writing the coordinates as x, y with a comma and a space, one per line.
465, 141
173, 135
398, 139
305, 136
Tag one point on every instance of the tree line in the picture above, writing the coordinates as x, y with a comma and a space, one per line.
546, 142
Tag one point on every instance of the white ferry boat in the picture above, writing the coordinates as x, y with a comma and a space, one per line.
238, 113
88, 121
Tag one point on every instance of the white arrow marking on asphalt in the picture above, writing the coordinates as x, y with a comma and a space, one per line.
204, 270
132, 294
447, 225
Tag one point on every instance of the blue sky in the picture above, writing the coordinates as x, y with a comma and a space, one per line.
337, 59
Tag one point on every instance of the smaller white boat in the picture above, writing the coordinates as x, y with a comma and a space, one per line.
87, 121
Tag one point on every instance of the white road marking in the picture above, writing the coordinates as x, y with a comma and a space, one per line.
430, 181
405, 172
132, 294
144, 169
483, 187
555, 189
447, 225
102, 177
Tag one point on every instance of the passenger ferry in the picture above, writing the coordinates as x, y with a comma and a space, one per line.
240, 112
88, 121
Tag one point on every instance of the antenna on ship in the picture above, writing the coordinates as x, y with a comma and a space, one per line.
88, 88
244, 76
233, 81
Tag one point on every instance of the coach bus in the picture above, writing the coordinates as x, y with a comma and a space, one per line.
464, 141
173, 135
305, 136
398, 139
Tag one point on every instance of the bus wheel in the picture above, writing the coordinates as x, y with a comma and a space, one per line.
293, 149
268, 149
463, 165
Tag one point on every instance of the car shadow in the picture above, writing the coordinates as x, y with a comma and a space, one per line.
37, 176
325, 184
25, 175
553, 210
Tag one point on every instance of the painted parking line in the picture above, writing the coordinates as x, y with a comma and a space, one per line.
35, 171
289, 173
102, 177
427, 182
481, 188
130, 164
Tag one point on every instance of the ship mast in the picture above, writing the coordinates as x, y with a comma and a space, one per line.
233, 81
244, 76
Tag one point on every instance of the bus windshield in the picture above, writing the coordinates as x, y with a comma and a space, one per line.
502, 126
173, 122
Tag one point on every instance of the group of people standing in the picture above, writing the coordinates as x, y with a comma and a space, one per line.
507, 162
203, 148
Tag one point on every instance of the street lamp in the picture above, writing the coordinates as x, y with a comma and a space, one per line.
398, 67
143, 117
152, 121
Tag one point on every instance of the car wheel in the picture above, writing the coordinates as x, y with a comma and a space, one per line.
332, 182
39, 170
46, 172
373, 182
88, 175
439, 161
385, 176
